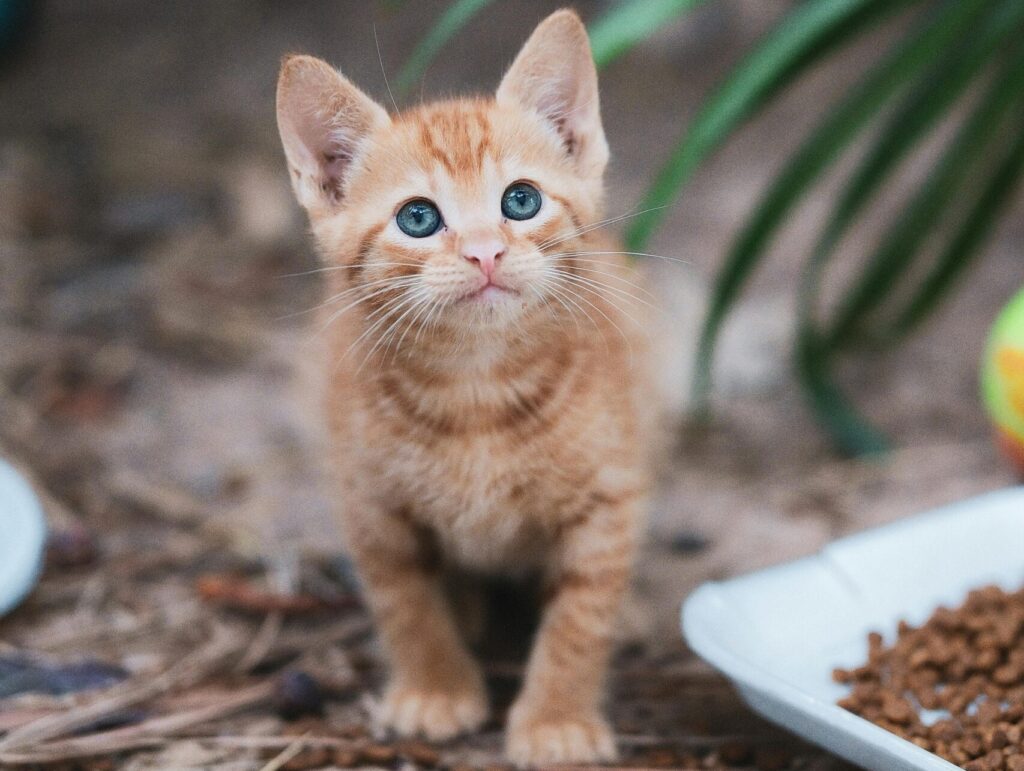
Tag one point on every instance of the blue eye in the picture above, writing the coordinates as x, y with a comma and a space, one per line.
419, 219
520, 201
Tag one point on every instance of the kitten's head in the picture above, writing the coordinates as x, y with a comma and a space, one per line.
451, 210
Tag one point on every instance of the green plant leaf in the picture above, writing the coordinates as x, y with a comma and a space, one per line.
928, 41
457, 16
903, 241
630, 22
966, 244
848, 429
936, 90
807, 33
621, 28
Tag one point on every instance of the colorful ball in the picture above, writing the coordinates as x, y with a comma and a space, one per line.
1002, 380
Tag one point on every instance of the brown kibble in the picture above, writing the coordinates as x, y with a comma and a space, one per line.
898, 710
972, 745
988, 712
999, 739
986, 659
928, 699
1008, 674
844, 676
968, 661
994, 760
946, 730
920, 657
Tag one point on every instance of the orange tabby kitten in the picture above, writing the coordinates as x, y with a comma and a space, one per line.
485, 394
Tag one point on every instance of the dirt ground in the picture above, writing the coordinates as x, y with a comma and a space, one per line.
155, 353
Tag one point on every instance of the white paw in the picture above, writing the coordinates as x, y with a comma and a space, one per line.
581, 739
435, 715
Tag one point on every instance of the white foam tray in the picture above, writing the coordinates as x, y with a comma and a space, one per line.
22, 537
778, 633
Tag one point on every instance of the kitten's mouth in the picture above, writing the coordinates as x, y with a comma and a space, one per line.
489, 292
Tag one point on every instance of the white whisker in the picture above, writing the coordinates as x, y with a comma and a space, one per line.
615, 277
593, 305
380, 59
624, 253
328, 268
431, 318
388, 287
391, 306
593, 226
568, 294
602, 287
423, 305
543, 292
341, 295
408, 305
601, 291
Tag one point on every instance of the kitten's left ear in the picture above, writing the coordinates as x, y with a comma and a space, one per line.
324, 121
554, 75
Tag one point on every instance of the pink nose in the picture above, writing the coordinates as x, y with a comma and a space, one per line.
485, 254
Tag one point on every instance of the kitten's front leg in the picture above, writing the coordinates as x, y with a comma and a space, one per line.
435, 687
557, 717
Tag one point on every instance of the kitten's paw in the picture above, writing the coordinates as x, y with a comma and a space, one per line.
436, 715
536, 741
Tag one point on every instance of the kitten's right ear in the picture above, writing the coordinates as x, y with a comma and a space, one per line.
323, 120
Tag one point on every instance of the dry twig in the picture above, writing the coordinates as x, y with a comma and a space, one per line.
150, 733
285, 755
213, 656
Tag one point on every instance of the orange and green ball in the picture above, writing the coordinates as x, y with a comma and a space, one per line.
1002, 380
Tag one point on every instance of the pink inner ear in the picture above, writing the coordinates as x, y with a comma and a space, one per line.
568, 136
332, 169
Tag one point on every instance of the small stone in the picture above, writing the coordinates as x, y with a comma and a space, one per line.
297, 694
73, 547
688, 542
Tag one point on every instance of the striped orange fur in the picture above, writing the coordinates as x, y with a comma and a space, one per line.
492, 420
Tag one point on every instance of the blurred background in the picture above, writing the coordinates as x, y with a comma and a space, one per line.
155, 340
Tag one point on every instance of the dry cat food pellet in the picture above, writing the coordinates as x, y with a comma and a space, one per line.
968, 663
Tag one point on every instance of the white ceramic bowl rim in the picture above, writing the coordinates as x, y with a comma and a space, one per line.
22, 537
778, 633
